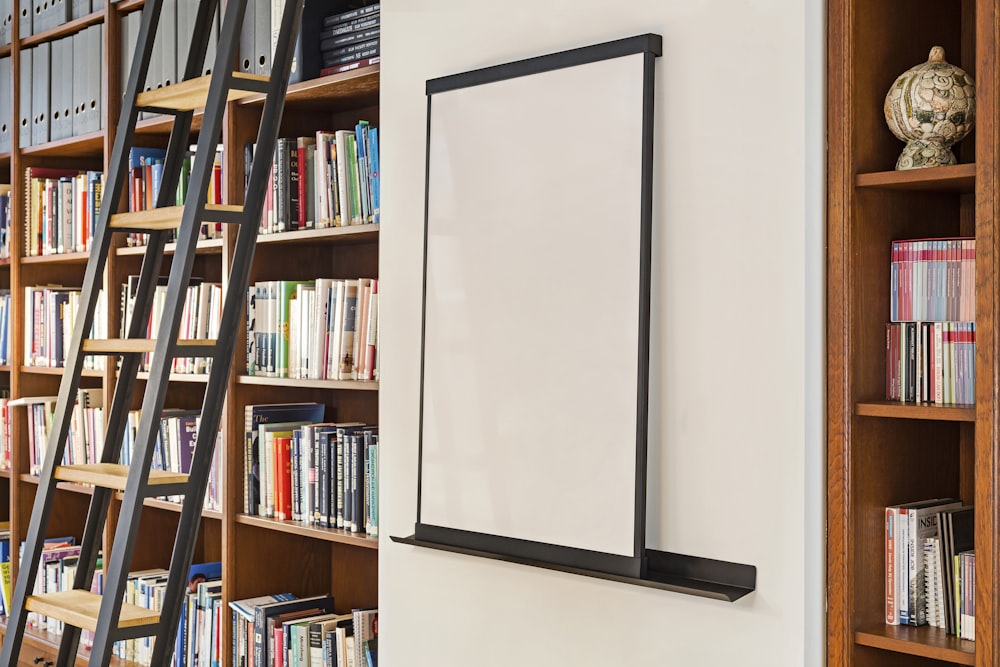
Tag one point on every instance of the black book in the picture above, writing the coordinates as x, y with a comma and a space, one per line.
357, 47
332, 61
357, 25
350, 15
306, 59
334, 41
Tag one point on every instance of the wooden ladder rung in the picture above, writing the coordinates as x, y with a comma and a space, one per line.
193, 94
167, 217
112, 475
80, 609
140, 345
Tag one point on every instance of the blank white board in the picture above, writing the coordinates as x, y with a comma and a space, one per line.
532, 307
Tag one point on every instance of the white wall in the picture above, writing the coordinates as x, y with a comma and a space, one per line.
736, 447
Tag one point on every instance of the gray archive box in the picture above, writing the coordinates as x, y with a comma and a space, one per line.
6, 20
41, 59
262, 37
25, 18
25, 120
6, 90
80, 8
61, 125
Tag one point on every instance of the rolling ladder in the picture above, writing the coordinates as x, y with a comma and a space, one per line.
107, 616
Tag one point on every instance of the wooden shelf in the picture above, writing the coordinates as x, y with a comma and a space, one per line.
6, 474
63, 30
45, 370
130, 5
4, 369
349, 385
956, 178
83, 489
174, 507
5, 50
898, 410
178, 377
60, 258
86, 145
346, 235
315, 532
49, 642
205, 247
923, 641
360, 86
161, 125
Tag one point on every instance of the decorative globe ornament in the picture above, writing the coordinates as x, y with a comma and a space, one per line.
931, 107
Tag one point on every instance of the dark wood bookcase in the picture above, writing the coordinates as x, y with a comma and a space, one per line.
259, 555
879, 452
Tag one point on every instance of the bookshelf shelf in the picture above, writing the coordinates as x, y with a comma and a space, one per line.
346, 385
923, 641
4, 369
954, 178
64, 30
158, 127
5, 50
90, 145
197, 378
126, 6
314, 532
174, 507
205, 247
45, 370
5, 474
897, 410
61, 258
65, 486
339, 235
355, 88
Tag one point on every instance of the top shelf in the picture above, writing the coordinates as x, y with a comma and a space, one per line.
955, 178
63, 30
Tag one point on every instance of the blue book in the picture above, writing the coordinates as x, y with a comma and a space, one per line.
373, 162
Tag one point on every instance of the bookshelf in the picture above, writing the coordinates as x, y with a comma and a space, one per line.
326, 560
879, 452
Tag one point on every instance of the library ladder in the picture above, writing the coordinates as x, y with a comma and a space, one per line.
107, 616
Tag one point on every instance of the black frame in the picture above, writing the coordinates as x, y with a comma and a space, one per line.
687, 574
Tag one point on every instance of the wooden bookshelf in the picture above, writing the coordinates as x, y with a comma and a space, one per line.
326, 560
880, 452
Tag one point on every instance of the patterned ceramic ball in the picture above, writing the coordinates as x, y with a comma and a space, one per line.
931, 107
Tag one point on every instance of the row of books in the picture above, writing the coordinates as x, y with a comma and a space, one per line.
175, 445
59, 562
318, 329
931, 362
923, 541
934, 280
284, 631
300, 468
4, 567
61, 89
145, 174
201, 318
350, 39
49, 316
199, 627
350, 36
330, 180
61, 210
85, 439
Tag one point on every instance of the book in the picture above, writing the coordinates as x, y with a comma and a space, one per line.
351, 15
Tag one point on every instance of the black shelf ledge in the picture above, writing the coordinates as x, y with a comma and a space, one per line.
690, 575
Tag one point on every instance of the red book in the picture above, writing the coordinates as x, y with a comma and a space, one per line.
282, 478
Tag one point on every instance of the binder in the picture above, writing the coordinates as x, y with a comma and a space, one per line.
167, 38
5, 109
79, 85
61, 125
129, 39
307, 60
25, 120
186, 14
40, 22
6, 16
247, 51
97, 6
94, 113
25, 23
81, 8
60, 11
262, 37
213, 39
40, 97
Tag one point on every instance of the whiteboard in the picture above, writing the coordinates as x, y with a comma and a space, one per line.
531, 349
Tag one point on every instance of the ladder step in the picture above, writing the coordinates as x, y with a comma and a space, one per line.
169, 217
193, 94
80, 609
196, 347
113, 475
